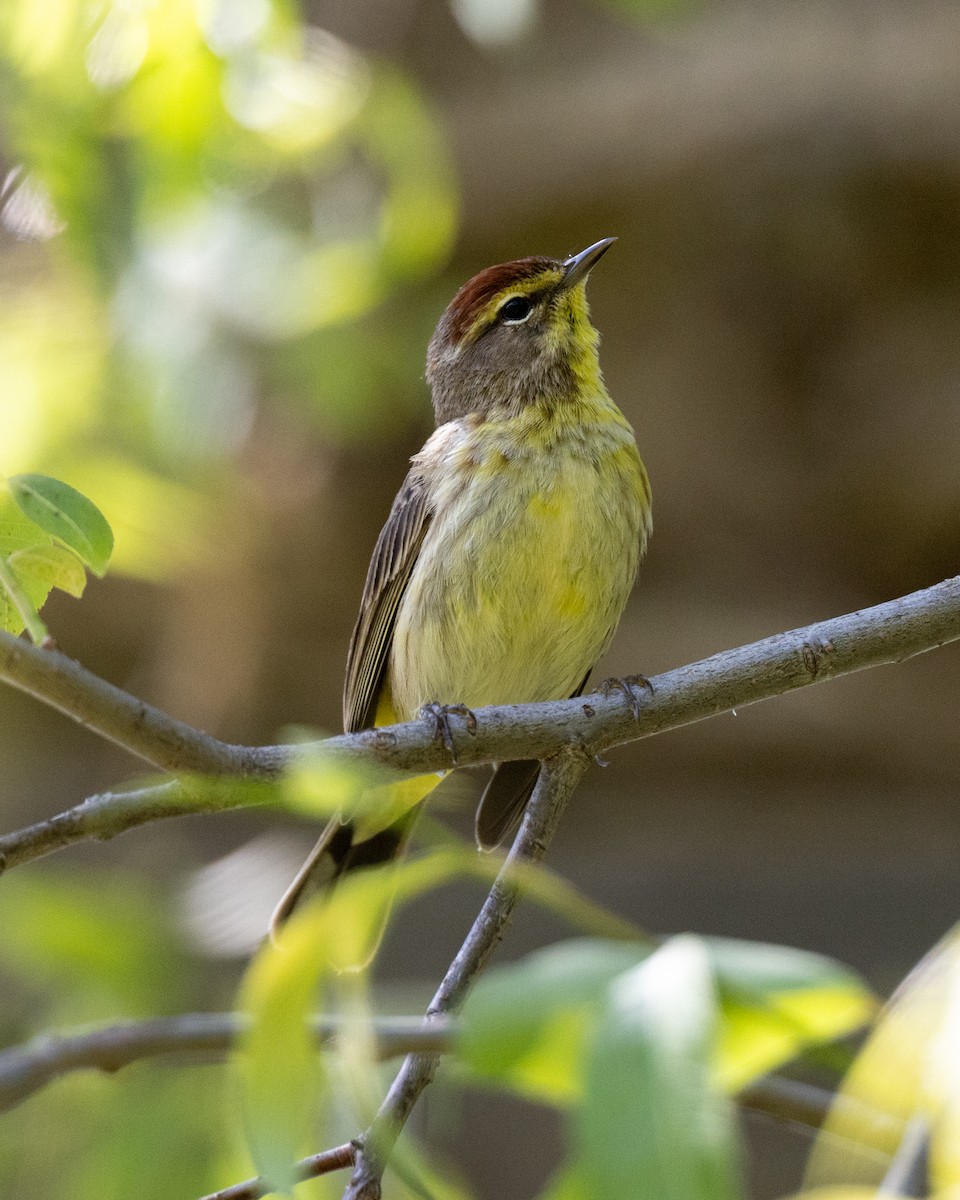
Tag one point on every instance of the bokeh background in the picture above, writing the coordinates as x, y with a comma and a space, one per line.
228, 231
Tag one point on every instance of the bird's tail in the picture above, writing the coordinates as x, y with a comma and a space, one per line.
355, 844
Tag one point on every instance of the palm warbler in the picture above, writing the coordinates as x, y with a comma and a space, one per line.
510, 550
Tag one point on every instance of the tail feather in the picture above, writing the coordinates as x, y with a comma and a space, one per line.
504, 800
506, 795
338, 851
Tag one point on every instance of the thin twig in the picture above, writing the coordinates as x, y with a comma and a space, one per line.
28, 1068
33, 622
788, 1100
307, 1168
558, 780
908, 1173
887, 633
783, 1099
110, 813
102, 816
799, 1103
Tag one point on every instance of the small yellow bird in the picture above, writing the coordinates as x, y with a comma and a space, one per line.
510, 550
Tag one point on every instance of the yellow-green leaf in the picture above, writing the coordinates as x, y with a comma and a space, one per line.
68, 515
11, 618
280, 1074
280, 1071
51, 567
17, 532
908, 1069
848, 1192
18, 535
775, 1002
652, 1123
525, 1025
316, 784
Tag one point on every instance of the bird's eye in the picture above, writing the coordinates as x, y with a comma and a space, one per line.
516, 309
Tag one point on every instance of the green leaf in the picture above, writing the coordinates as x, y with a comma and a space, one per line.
525, 1025
907, 1071
280, 1070
280, 1075
50, 567
17, 532
652, 1124
18, 535
64, 512
776, 1002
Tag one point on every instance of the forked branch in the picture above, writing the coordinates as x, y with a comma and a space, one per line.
887, 633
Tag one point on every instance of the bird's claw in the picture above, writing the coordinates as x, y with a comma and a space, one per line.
440, 715
629, 685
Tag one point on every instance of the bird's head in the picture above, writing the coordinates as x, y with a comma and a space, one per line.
516, 334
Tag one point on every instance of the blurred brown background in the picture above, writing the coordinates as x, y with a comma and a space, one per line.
780, 323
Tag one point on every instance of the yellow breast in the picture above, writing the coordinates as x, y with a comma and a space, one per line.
537, 532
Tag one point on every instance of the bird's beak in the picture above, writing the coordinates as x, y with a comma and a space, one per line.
578, 266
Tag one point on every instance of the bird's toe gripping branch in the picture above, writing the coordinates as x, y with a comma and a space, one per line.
440, 715
631, 686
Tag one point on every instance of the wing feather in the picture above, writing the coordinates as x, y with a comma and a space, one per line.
393, 559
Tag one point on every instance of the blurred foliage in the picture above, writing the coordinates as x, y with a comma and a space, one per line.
906, 1077
647, 1070
85, 950
643, 1048
199, 192
615, 1031
93, 949
529, 1024
206, 204
135, 1135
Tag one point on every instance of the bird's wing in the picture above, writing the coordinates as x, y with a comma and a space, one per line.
505, 796
393, 559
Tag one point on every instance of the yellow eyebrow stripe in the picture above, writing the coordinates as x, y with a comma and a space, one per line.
523, 287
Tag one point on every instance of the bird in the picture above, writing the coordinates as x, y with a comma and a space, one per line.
509, 552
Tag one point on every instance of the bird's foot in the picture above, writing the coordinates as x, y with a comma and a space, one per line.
630, 686
440, 715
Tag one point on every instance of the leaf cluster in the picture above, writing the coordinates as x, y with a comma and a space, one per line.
50, 534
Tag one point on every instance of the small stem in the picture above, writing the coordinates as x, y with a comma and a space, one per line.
307, 1168
28, 1068
14, 588
558, 780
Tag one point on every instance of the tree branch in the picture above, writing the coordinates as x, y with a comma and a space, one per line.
104, 816
100, 816
556, 784
788, 1100
28, 1068
887, 633
52, 677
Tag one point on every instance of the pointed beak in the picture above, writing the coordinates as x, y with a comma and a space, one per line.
578, 266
